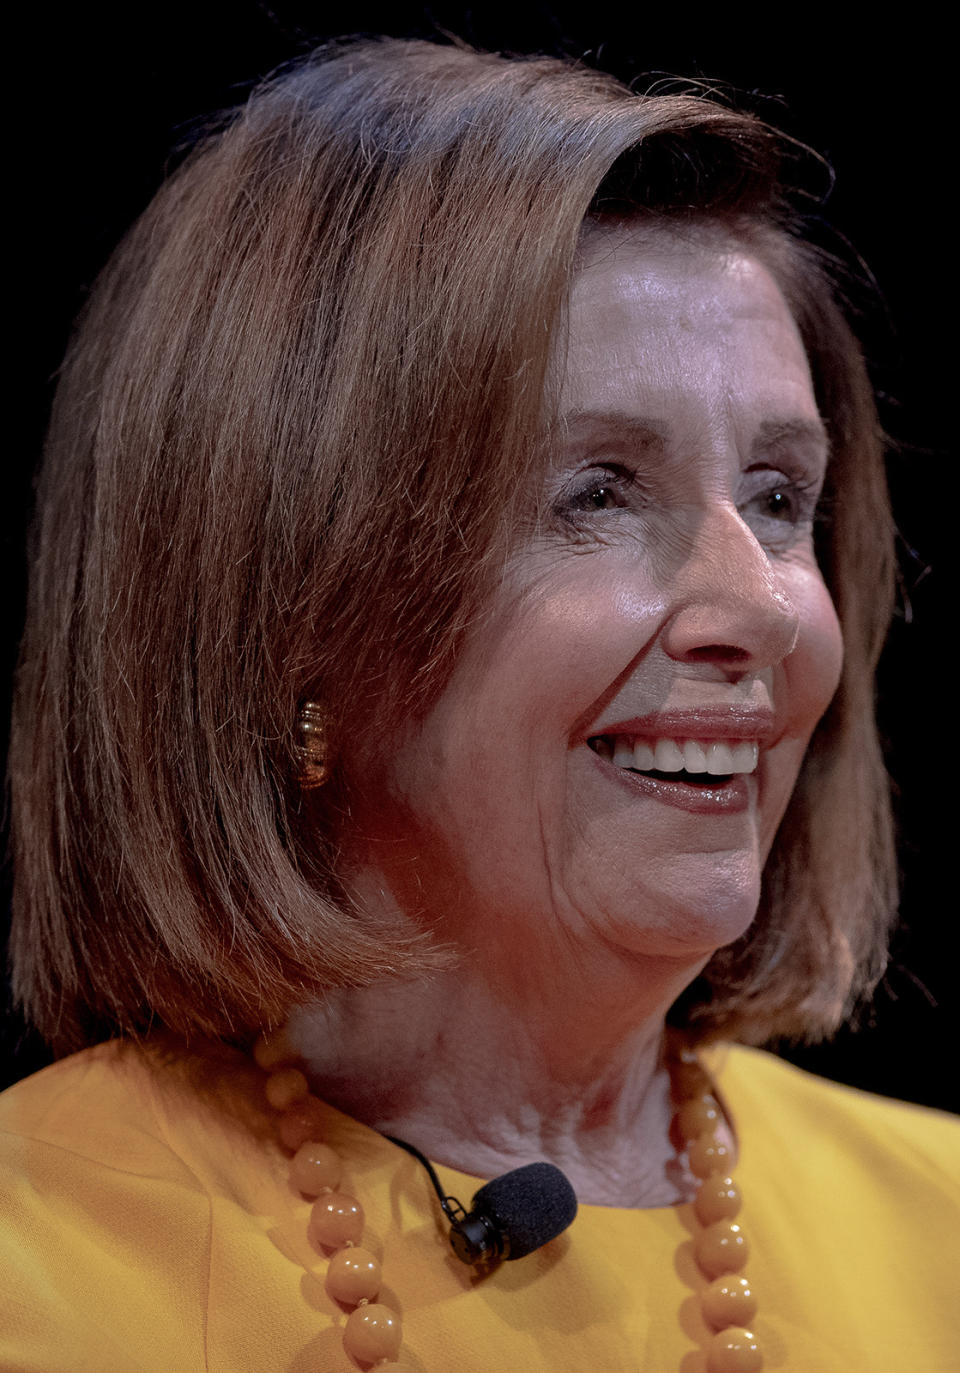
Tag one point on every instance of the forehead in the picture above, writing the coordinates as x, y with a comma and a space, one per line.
661, 310
700, 256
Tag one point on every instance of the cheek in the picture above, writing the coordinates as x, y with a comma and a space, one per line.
522, 683
814, 667
573, 636
811, 674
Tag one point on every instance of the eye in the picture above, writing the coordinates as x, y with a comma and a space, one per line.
596, 491
780, 504
596, 498
778, 507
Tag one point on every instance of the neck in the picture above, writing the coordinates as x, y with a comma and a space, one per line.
454, 1068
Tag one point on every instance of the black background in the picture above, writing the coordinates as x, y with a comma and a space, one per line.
105, 93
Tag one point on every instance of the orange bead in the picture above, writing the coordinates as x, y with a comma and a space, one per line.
372, 1332
679, 1050
729, 1301
335, 1220
315, 1168
734, 1351
721, 1248
354, 1275
688, 1080
717, 1199
271, 1049
286, 1087
701, 1115
707, 1155
301, 1123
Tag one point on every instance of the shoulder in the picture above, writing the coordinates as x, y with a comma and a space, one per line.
758, 1073
803, 1112
100, 1103
151, 1110
88, 1182
120, 1168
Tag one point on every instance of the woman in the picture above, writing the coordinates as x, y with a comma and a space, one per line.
436, 661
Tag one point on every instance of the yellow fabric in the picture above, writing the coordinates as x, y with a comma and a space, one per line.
148, 1227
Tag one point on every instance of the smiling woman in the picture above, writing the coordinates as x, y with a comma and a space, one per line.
691, 619
461, 559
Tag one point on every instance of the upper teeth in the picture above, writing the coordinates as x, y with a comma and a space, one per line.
718, 757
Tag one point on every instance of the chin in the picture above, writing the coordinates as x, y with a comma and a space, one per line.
693, 922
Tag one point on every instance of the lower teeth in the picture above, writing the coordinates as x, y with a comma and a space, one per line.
698, 779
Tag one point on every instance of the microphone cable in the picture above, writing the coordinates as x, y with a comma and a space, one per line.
510, 1216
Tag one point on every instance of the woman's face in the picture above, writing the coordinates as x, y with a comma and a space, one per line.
666, 613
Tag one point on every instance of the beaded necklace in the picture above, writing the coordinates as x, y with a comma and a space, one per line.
720, 1246
372, 1333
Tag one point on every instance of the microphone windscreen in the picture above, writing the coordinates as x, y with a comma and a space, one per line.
529, 1206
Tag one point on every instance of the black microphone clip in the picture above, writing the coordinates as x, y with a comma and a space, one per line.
510, 1216
473, 1237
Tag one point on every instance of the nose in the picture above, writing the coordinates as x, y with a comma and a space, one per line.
729, 606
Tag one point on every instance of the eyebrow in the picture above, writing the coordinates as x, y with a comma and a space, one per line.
648, 433
789, 431
652, 434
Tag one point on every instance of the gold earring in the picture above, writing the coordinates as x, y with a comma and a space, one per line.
312, 749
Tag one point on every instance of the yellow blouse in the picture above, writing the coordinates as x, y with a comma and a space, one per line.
148, 1227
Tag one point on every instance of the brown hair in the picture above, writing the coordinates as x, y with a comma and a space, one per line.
279, 467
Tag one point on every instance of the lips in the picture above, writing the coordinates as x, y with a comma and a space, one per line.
697, 760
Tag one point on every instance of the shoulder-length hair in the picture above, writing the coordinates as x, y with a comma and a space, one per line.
281, 466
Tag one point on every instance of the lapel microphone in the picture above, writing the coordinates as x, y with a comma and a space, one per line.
510, 1216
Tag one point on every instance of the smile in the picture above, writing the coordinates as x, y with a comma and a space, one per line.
704, 761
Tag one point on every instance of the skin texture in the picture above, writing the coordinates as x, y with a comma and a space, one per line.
668, 564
